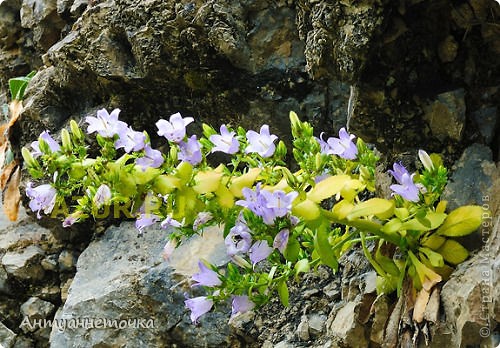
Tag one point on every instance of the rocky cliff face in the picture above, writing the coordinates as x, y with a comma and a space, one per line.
403, 75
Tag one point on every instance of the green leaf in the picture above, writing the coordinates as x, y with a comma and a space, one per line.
453, 252
328, 188
386, 263
462, 221
17, 86
292, 250
382, 208
386, 285
435, 258
302, 266
324, 249
283, 293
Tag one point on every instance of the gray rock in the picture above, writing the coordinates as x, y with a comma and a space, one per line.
346, 329
67, 261
26, 232
33, 309
41, 16
8, 23
122, 276
36, 308
303, 329
337, 42
4, 282
7, 337
50, 263
486, 120
24, 264
473, 178
316, 324
380, 308
446, 115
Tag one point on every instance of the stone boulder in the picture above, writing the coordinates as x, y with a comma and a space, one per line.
123, 280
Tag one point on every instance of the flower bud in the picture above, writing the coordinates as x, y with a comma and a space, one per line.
66, 139
280, 150
238, 260
75, 130
28, 158
426, 160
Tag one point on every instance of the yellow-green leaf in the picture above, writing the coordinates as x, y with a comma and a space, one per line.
392, 226
166, 183
246, 180
302, 266
143, 176
350, 189
461, 221
453, 252
429, 222
206, 182
184, 171
382, 208
401, 213
307, 210
342, 209
434, 241
224, 197
328, 187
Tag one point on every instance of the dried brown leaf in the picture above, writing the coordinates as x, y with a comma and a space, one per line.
6, 172
15, 108
420, 305
11, 196
3, 135
3, 150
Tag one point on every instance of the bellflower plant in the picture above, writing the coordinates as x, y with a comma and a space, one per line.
277, 222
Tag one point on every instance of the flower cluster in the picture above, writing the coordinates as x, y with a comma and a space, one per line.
276, 223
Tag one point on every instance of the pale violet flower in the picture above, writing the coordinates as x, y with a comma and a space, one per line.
190, 151
398, 171
146, 220
130, 140
107, 125
198, 306
279, 201
406, 188
225, 142
42, 197
102, 195
170, 222
45, 136
206, 276
259, 251
238, 240
174, 129
281, 240
266, 204
341, 146
69, 221
152, 158
241, 304
261, 143
201, 219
